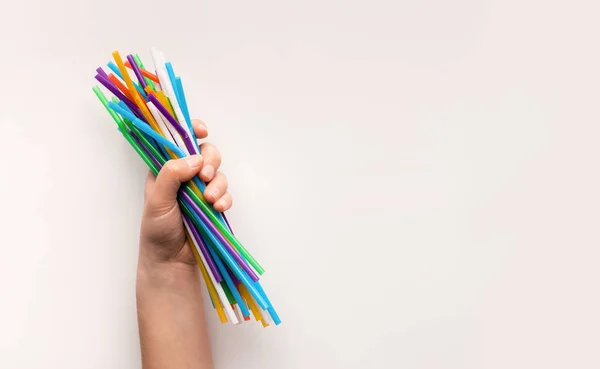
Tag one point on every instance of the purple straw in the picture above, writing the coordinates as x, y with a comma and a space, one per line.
218, 234
186, 138
137, 71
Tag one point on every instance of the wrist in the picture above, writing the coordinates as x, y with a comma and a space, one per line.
167, 275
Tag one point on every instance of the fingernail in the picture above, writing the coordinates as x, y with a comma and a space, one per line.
200, 125
208, 172
223, 203
194, 161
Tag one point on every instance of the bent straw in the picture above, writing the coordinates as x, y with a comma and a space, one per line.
144, 127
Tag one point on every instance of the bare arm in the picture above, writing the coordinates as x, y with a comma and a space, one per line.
171, 319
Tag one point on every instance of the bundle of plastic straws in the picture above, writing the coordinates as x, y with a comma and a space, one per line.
151, 112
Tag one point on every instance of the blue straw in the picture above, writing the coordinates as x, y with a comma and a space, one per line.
144, 127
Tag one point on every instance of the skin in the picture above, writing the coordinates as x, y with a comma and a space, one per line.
172, 326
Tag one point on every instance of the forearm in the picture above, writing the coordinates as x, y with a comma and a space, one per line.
171, 320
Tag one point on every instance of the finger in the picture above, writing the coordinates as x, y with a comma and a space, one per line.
216, 188
199, 128
163, 194
212, 161
224, 203
150, 179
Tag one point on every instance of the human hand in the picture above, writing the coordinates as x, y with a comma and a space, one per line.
162, 237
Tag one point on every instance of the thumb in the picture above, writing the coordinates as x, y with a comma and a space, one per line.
163, 196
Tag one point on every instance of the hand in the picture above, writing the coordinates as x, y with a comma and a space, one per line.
162, 238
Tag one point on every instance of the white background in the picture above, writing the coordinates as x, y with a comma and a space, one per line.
420, 178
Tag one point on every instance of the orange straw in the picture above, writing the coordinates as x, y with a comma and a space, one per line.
120, 86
